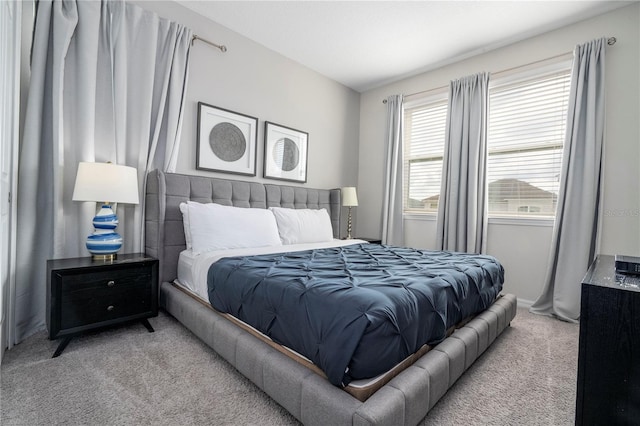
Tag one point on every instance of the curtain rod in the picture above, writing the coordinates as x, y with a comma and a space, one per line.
610, 41
195, 37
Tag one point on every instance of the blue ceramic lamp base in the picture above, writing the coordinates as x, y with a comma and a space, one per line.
105, 242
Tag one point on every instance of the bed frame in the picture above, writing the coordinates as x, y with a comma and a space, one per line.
406, 399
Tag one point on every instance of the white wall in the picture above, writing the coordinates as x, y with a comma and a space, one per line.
256, 81
524, 249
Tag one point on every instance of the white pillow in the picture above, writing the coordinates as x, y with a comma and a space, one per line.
298, 226
185, 221
217, 227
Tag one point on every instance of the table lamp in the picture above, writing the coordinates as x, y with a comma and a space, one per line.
349, 199
106, 183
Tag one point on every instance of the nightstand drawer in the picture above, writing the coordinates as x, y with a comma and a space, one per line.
87, 306
73, 285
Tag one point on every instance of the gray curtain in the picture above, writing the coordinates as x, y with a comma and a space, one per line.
462, 209
108, 81
392, 222
575, 228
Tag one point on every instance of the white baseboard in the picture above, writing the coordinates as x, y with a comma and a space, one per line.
2, 340
524, 303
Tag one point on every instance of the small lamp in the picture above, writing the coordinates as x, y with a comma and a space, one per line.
106, 183
349, 199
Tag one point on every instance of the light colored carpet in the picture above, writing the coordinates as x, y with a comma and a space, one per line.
527, 377
127, 376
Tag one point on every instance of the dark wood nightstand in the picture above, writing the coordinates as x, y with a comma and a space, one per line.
84, 294
370, 240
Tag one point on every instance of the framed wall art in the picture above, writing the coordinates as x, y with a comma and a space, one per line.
285, 153
226, 141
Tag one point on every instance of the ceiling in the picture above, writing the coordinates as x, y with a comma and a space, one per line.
366, 44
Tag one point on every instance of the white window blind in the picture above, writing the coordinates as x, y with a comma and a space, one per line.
526, 129
424, 133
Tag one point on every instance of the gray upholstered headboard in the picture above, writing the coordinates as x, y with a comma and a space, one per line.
165, 191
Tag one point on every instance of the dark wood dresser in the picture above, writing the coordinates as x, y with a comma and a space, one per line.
608, 391
85, 294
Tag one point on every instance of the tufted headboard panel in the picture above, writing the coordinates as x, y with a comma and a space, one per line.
164, 229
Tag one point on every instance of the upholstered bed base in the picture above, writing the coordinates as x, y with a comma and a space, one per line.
406, 399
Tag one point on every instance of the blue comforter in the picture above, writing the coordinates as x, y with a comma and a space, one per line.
355, 311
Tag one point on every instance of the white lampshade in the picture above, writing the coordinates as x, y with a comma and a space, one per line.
106, 182
349, 196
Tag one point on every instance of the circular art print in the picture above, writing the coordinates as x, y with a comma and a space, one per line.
286, 154
227, 142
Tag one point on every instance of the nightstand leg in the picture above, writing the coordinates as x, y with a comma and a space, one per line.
145, 322
61, 346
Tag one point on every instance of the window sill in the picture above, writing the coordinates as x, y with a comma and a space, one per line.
496, 220
522, 221
430, 217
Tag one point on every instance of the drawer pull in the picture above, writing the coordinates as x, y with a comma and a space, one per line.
110, 308
111, 283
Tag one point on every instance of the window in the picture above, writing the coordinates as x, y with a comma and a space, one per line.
529, 209
526, 128
424, 133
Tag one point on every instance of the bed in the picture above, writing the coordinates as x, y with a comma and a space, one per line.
404, 398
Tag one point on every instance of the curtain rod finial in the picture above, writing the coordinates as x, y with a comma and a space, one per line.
195, 37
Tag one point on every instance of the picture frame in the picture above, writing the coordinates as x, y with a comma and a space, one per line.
226, 141
285, 153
